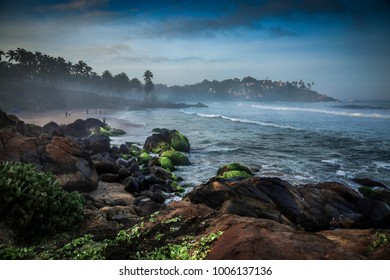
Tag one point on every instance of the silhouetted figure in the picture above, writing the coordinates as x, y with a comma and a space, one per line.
87, 111
104, 119
66, 113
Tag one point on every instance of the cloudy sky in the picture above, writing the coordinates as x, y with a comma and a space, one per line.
341, 46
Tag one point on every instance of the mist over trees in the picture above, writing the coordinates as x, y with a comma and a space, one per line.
38, 67
46, 82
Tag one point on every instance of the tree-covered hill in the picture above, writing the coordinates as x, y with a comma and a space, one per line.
36, 81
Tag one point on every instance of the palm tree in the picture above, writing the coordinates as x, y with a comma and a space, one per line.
149, 86
12, 56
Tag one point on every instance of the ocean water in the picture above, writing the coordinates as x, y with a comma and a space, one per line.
299, 142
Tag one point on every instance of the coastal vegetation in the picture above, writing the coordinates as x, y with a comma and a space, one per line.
123, 202
37, 81
26, 196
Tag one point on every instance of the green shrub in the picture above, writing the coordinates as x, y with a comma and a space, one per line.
33, 204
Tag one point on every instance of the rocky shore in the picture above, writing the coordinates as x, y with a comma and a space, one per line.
235, 215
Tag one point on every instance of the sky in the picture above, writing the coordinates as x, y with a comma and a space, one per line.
341, 46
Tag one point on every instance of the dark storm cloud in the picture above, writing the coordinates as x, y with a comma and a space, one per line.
202, 18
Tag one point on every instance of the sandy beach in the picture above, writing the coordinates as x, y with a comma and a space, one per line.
66, 117
60, 117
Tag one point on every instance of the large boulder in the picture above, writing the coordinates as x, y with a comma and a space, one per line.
53, 129
76, 129
254, 239
163, 139
99, 143
312, 207
71, 166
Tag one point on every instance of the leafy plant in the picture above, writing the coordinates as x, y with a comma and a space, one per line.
16, 253
381, 239
84, 248
188, 249
33, 204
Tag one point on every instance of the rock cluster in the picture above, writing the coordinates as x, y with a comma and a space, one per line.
261, 218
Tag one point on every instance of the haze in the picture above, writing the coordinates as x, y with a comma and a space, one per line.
341, 46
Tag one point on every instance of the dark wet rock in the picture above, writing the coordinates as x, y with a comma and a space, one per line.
131, 185
376, 193
53, 129
109, 178
76, 129
93, 122
71, 166
160, 172
124, 173
124, 149
134, 167
15, 146
248, 238
105, 166
313, 207
99, 143
366, 182
120, 162
157, 196
146, 206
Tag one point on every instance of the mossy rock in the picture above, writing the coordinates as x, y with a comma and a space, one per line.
177, 188
108, 131
233, 167
176, 157
235, 174
180, 142
166, 163
144, 158
380, 194
161, 147
135, 151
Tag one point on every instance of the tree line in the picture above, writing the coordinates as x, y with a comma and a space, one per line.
38, 67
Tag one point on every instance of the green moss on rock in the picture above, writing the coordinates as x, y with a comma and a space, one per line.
161, 147
176, 157
135, 151
180, 142
234, 167
166, 163
144, 158
108, 131
235, 174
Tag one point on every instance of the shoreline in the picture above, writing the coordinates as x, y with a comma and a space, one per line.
62, 117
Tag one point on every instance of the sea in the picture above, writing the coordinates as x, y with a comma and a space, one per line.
298, 142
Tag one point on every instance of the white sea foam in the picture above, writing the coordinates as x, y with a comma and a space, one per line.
332, 161
241, 120
382, 165
329, 112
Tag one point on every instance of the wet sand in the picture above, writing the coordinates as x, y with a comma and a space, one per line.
63, 117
